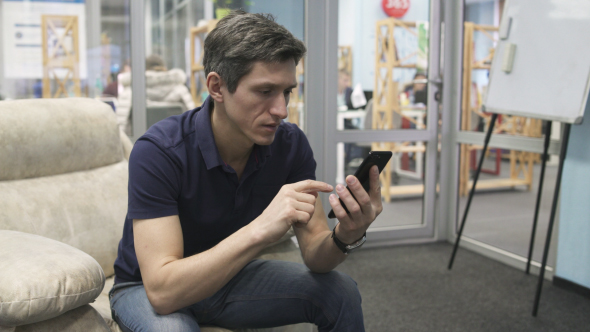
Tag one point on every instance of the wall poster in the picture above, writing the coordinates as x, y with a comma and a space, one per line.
21, 26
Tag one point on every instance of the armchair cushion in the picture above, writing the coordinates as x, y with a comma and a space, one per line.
84, 209
41, 278
40, 137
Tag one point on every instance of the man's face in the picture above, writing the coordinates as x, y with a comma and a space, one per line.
343, 82
259, 103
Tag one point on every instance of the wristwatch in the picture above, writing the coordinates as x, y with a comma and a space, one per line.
346, 248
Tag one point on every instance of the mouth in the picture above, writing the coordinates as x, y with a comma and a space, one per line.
271, 126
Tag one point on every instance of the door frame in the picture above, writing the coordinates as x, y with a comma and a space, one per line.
321, 37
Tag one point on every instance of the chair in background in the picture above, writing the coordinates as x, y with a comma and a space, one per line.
157, 111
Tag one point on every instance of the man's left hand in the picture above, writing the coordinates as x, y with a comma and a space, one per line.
361, 214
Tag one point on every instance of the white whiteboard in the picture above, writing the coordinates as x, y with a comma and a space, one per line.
551, 66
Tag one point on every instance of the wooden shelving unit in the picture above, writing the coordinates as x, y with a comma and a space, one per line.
60, 55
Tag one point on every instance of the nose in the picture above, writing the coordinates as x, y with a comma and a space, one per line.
279, 106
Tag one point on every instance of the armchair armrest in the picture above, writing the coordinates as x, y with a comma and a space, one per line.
41, 278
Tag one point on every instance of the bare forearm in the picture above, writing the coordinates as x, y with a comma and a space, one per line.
321, 254
183, 282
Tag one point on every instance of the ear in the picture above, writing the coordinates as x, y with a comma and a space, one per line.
214, 85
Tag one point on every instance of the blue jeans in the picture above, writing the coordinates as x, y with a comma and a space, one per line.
263, 294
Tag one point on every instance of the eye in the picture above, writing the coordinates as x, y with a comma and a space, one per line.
265, 92
288, 92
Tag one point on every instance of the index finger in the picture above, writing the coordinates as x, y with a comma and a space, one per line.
307, 186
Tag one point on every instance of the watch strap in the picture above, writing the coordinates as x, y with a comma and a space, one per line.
346, 248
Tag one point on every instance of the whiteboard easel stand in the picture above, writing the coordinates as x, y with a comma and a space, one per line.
562, 155
545, 157
474, 184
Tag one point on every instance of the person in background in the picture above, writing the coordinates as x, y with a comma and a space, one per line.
344, 89
162, 85
417, 93
112, 89
344, 95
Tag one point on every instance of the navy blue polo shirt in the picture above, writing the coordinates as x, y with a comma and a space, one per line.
175, 169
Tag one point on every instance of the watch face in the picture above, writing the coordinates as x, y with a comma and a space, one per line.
358, 244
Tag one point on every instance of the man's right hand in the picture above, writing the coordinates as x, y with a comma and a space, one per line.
294, 204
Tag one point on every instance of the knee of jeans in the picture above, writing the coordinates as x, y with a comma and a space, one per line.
173, 322
176, 322
346, 287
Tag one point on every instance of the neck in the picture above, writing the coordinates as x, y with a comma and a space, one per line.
233, 146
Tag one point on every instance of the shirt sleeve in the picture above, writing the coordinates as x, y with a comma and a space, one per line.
154, 182
304, 165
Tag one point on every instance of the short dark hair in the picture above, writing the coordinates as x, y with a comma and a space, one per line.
420, 73
240, 39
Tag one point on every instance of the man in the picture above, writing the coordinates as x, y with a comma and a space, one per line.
344, 90
209, 189
418, 92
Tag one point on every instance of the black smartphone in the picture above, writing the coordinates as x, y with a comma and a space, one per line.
379, 158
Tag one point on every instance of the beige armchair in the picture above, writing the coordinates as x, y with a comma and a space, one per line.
63, 200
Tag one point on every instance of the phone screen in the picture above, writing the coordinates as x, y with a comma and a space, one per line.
379, 158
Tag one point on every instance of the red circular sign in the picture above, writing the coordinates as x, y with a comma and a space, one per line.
395, 8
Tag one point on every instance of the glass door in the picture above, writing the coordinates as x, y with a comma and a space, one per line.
381, 87
501, 214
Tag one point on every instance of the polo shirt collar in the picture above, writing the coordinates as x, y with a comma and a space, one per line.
209, 150
204, 133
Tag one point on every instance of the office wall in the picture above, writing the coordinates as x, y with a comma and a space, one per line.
573, 250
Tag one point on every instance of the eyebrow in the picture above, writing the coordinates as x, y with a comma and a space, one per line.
274, 86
